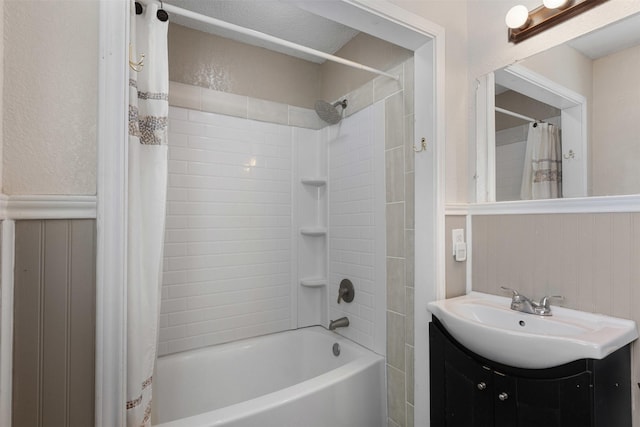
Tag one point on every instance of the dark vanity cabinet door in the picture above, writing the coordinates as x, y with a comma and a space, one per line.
558, 402
467, 395
469, 391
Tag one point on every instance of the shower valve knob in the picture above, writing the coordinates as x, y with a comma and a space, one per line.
346, 292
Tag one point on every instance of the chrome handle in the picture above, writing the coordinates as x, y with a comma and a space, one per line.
515, 293
503, 396
481, 386
544, 302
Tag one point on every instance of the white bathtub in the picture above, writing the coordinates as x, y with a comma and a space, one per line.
289, 379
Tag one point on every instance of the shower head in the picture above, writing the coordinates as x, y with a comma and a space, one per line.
329, 112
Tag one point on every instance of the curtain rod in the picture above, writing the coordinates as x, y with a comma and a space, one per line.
262, 36
520, 116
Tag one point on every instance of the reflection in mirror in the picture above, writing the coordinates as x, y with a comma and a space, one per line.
587, 92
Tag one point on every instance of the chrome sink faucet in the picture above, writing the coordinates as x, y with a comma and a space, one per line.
525, 305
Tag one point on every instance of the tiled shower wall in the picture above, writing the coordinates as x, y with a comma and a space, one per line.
228, 255
356, 224
589, 259
228, 234
399, 193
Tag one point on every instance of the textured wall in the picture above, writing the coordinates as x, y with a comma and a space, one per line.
209, 61
50, 97
615, 152
337, 79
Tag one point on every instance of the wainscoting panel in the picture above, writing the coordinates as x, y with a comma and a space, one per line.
54, 323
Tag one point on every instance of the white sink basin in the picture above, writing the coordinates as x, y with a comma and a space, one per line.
486, 325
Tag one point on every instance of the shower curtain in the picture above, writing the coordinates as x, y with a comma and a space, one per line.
147, 183
542, 174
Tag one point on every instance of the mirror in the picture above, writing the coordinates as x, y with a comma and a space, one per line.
586, 92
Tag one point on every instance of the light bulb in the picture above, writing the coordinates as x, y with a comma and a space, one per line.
517, 17
554, 4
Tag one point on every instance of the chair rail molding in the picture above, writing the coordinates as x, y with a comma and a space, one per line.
18, 207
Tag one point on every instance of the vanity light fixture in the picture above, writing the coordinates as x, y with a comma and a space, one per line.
555, 4
524, 24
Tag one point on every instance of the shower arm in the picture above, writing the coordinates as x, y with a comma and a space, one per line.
266, 37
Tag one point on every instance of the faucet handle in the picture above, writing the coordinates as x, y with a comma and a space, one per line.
515, 293
544, 302
346, 291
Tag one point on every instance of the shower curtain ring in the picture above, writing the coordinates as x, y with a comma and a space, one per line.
423, 146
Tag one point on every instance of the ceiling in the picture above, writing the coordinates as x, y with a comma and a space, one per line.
277, 18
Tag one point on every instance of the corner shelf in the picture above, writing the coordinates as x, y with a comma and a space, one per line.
313, 231
314, 181
313, 282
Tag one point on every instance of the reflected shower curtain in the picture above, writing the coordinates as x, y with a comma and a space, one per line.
542, 173
147, 183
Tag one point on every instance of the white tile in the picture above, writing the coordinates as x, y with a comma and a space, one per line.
172, 332
176, 167
224, 103
178, 113
175, 249
182, 95
268, 111
304, 118
185, 127
173, 305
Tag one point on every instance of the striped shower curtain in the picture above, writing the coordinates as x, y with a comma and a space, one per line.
542, 173
147, 183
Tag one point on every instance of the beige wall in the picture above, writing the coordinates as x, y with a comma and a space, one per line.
205, 60
574, 74
615, 152
459, 101
522, 104
337, 79
456, 272
50, 97
212, 62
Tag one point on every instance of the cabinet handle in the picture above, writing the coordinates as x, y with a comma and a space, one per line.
503, 396
481, 386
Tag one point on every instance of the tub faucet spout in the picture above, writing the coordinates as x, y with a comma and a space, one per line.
342, 322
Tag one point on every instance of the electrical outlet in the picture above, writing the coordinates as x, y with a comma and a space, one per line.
457, 236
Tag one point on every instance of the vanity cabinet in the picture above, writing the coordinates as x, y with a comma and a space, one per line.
470, 391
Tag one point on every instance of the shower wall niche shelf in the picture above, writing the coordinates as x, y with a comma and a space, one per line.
313, 282
319, 181
313, 231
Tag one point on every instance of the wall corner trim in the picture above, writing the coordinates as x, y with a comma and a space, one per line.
47, 207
